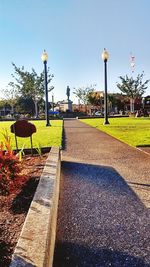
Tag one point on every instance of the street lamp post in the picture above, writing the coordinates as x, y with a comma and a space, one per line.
44, 58
53, 102
105, 57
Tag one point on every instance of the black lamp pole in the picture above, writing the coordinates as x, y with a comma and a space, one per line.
44, 58
105, 96
46, 95
105, 58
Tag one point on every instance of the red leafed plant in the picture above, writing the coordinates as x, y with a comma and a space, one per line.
10, 169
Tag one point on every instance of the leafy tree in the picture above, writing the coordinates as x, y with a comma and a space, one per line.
25, 105
30, 84
11, 95
117, 101
112, 99
133, 87
82, 93
3, 103
96, 98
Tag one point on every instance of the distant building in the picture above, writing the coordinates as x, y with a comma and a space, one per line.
119, 102
82, 108
5, 110
65, 105
146, 102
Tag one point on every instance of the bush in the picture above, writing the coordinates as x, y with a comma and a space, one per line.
42, 116
10, 169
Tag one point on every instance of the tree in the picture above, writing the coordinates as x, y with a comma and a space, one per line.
114, 102
133, 87
96, 98
11, 95
25, 105
82, 93
30, 84
4, 106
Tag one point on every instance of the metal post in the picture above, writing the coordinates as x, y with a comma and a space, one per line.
46, 95
105, 95
53, 102
31, 145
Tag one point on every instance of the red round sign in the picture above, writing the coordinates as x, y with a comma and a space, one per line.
23, 128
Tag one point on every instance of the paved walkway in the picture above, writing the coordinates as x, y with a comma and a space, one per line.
103, 216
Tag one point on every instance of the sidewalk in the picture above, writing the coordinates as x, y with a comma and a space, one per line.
103, 216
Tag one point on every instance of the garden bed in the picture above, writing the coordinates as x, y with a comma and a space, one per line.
14, 207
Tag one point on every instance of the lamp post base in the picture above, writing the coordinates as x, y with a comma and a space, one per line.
48, 124
105, 122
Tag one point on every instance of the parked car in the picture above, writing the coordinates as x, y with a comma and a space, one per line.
98, 113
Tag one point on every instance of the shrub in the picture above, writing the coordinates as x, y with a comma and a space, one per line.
10, 169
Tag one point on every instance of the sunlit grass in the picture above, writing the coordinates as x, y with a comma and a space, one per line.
133, 131
44, 136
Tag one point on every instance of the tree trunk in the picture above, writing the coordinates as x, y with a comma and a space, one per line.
132, 105
79, 104
12, 110
36, 109
101, 105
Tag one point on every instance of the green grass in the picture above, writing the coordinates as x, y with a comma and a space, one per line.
133, 131
44, 136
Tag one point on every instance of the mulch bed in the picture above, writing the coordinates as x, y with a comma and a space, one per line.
13, 208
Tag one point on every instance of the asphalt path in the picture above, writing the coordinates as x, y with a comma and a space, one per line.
103, 215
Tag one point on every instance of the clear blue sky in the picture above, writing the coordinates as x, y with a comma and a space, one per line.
74, 33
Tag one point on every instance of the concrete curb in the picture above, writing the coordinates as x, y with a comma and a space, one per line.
35, 247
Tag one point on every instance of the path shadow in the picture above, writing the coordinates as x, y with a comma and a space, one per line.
74, 255
101, 219
19, 261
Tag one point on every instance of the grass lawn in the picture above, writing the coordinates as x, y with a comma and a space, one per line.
133, 131
44, 136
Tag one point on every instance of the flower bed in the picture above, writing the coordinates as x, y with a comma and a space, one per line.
14, 207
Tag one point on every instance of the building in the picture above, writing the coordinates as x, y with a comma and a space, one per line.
65, 106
